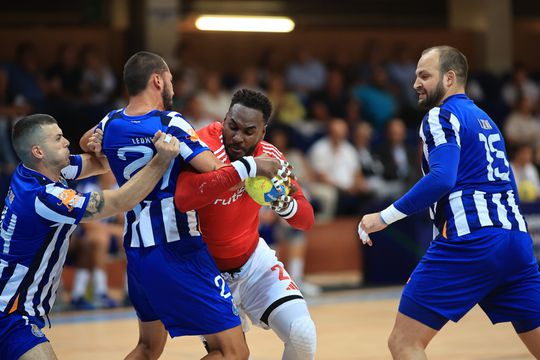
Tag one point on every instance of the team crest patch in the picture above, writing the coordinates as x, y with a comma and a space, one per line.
68, 198
36, 331
193, 136
10, 196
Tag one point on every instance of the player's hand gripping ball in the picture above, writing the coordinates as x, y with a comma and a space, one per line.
262, 190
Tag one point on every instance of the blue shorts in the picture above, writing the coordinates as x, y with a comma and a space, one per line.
494, 268
18, 334
184, 290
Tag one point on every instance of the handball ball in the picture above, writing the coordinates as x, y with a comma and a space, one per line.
527, 191
262, 191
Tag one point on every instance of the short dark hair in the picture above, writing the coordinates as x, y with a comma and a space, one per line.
253, 100
138, 69
451, 59
25, 131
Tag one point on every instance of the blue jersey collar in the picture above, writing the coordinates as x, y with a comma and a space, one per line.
455, 96
138, 117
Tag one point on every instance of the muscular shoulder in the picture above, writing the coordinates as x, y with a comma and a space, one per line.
265, 147
211, 135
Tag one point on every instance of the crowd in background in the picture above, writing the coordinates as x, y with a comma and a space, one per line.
349, 128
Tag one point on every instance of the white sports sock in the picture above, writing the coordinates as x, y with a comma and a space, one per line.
100, 282
295, 267
80, 281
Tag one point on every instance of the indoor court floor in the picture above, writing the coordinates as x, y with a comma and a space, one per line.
351, 324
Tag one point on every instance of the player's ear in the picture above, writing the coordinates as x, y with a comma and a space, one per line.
450, 78
157, 81
37, 152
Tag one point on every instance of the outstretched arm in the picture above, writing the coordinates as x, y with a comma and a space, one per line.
443, 163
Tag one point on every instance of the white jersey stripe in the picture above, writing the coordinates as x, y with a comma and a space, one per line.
272, 153
460, 217
135, 241
3, 265
482, 208
501, 212
456, 126
424, 144
45, 212
185, 151
435, 127
515, 210
38, 276
12, 285
145, 226
54, 277
271, 148
222, 147
7, 234
169, 217
192, 223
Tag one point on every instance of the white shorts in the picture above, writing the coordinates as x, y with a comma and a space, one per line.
261, 286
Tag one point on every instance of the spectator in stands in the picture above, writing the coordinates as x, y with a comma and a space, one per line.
398, 158
353, 111
213, 99
64, 77
294, 240
26, 83
334, 94
194, 113
521, 126
306, 73
249, 79
525, 173
288, 109
372, 58
370, 165
402, 71
377, 102
92, 250
520, 85
340, 183
98, 81
8, 113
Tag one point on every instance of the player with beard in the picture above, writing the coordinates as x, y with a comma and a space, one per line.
481, 252
261, 287
173, 282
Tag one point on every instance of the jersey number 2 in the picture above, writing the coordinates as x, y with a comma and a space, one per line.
135, 165
220, 283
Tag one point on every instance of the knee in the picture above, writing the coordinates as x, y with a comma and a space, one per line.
303, 337
150, 350
400, 345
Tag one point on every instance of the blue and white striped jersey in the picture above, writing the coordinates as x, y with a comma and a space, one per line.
37, 220
484, 194
127, 143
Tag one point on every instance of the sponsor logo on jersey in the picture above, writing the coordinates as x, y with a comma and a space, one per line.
237, 195
68, 198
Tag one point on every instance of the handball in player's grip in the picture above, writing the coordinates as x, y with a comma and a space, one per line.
262, 191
